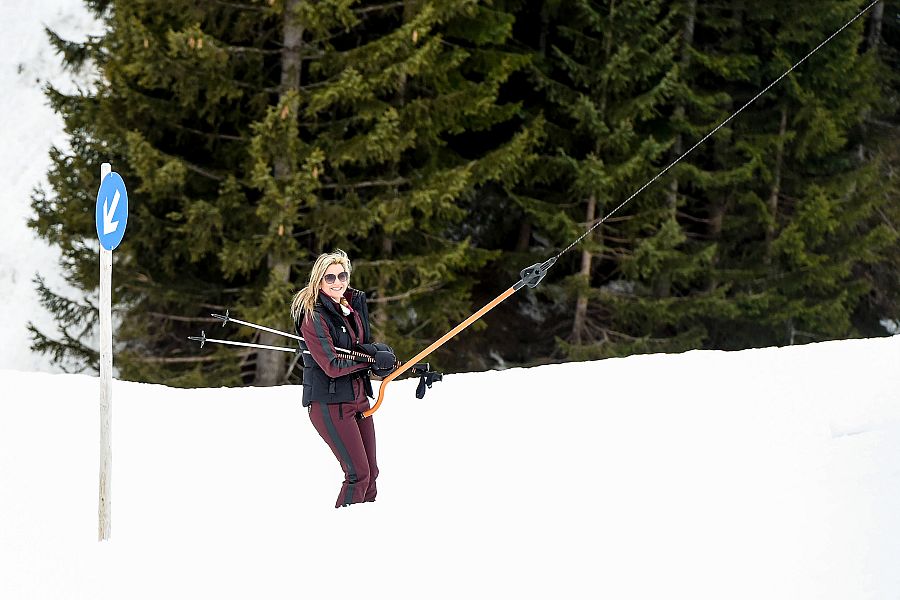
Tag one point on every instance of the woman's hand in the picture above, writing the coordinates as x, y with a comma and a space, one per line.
385, 362
385, 359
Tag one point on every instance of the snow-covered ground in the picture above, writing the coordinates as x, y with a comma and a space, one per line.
28, 128
771, 473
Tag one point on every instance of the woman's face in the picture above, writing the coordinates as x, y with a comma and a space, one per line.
335, 288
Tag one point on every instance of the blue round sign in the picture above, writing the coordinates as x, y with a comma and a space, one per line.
112, 211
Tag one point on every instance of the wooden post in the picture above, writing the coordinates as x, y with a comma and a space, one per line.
105, 382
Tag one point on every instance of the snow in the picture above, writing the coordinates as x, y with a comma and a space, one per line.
770, 473
29, 128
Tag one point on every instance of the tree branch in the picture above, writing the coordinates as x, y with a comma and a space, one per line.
223, 136
247, 50
189, 359
239, 6
368, 9
200, 170
365, 184
413, 292
887, 221
184, 319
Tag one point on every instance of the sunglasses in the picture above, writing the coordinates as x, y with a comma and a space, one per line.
331, 277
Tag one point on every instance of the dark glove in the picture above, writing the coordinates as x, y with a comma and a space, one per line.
371, 349
385, 361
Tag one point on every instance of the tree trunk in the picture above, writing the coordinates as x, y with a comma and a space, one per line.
524, 241
663, 286
687, 37
776, 186
270, 366
381, 313
380, 316
525, 227
716, 220
581, 304
579, 326
874, 37
873, 40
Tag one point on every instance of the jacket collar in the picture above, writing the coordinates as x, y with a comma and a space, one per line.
350, 295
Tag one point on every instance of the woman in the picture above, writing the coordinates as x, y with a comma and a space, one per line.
333, 318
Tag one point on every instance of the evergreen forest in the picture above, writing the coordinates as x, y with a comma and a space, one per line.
447, 145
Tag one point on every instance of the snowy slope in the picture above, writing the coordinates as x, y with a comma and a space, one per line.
28, 128
771, 473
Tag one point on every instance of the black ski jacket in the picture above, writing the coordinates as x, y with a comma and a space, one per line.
327, 377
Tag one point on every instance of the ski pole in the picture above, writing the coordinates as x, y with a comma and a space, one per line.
227, 317
419, 370
530, 276
344, 353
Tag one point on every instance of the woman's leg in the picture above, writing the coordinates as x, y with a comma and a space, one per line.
337, 425
367, 434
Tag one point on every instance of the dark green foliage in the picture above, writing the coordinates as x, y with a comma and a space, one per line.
405, 118
447, 145
794, 234
758, 238
239, 175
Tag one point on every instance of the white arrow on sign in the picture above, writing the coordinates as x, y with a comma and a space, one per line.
108, 224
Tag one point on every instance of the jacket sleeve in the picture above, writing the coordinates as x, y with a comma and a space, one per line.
318, 341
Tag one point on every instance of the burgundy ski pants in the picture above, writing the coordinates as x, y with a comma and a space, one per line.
352, 441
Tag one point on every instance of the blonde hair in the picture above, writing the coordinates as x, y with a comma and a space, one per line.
305, 299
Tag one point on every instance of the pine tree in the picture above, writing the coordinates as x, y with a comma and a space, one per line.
691, 288
178, 87
658, 296
879, 144
802, 228
408, 114
446, 145
254, 135
604, 72
763, 235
